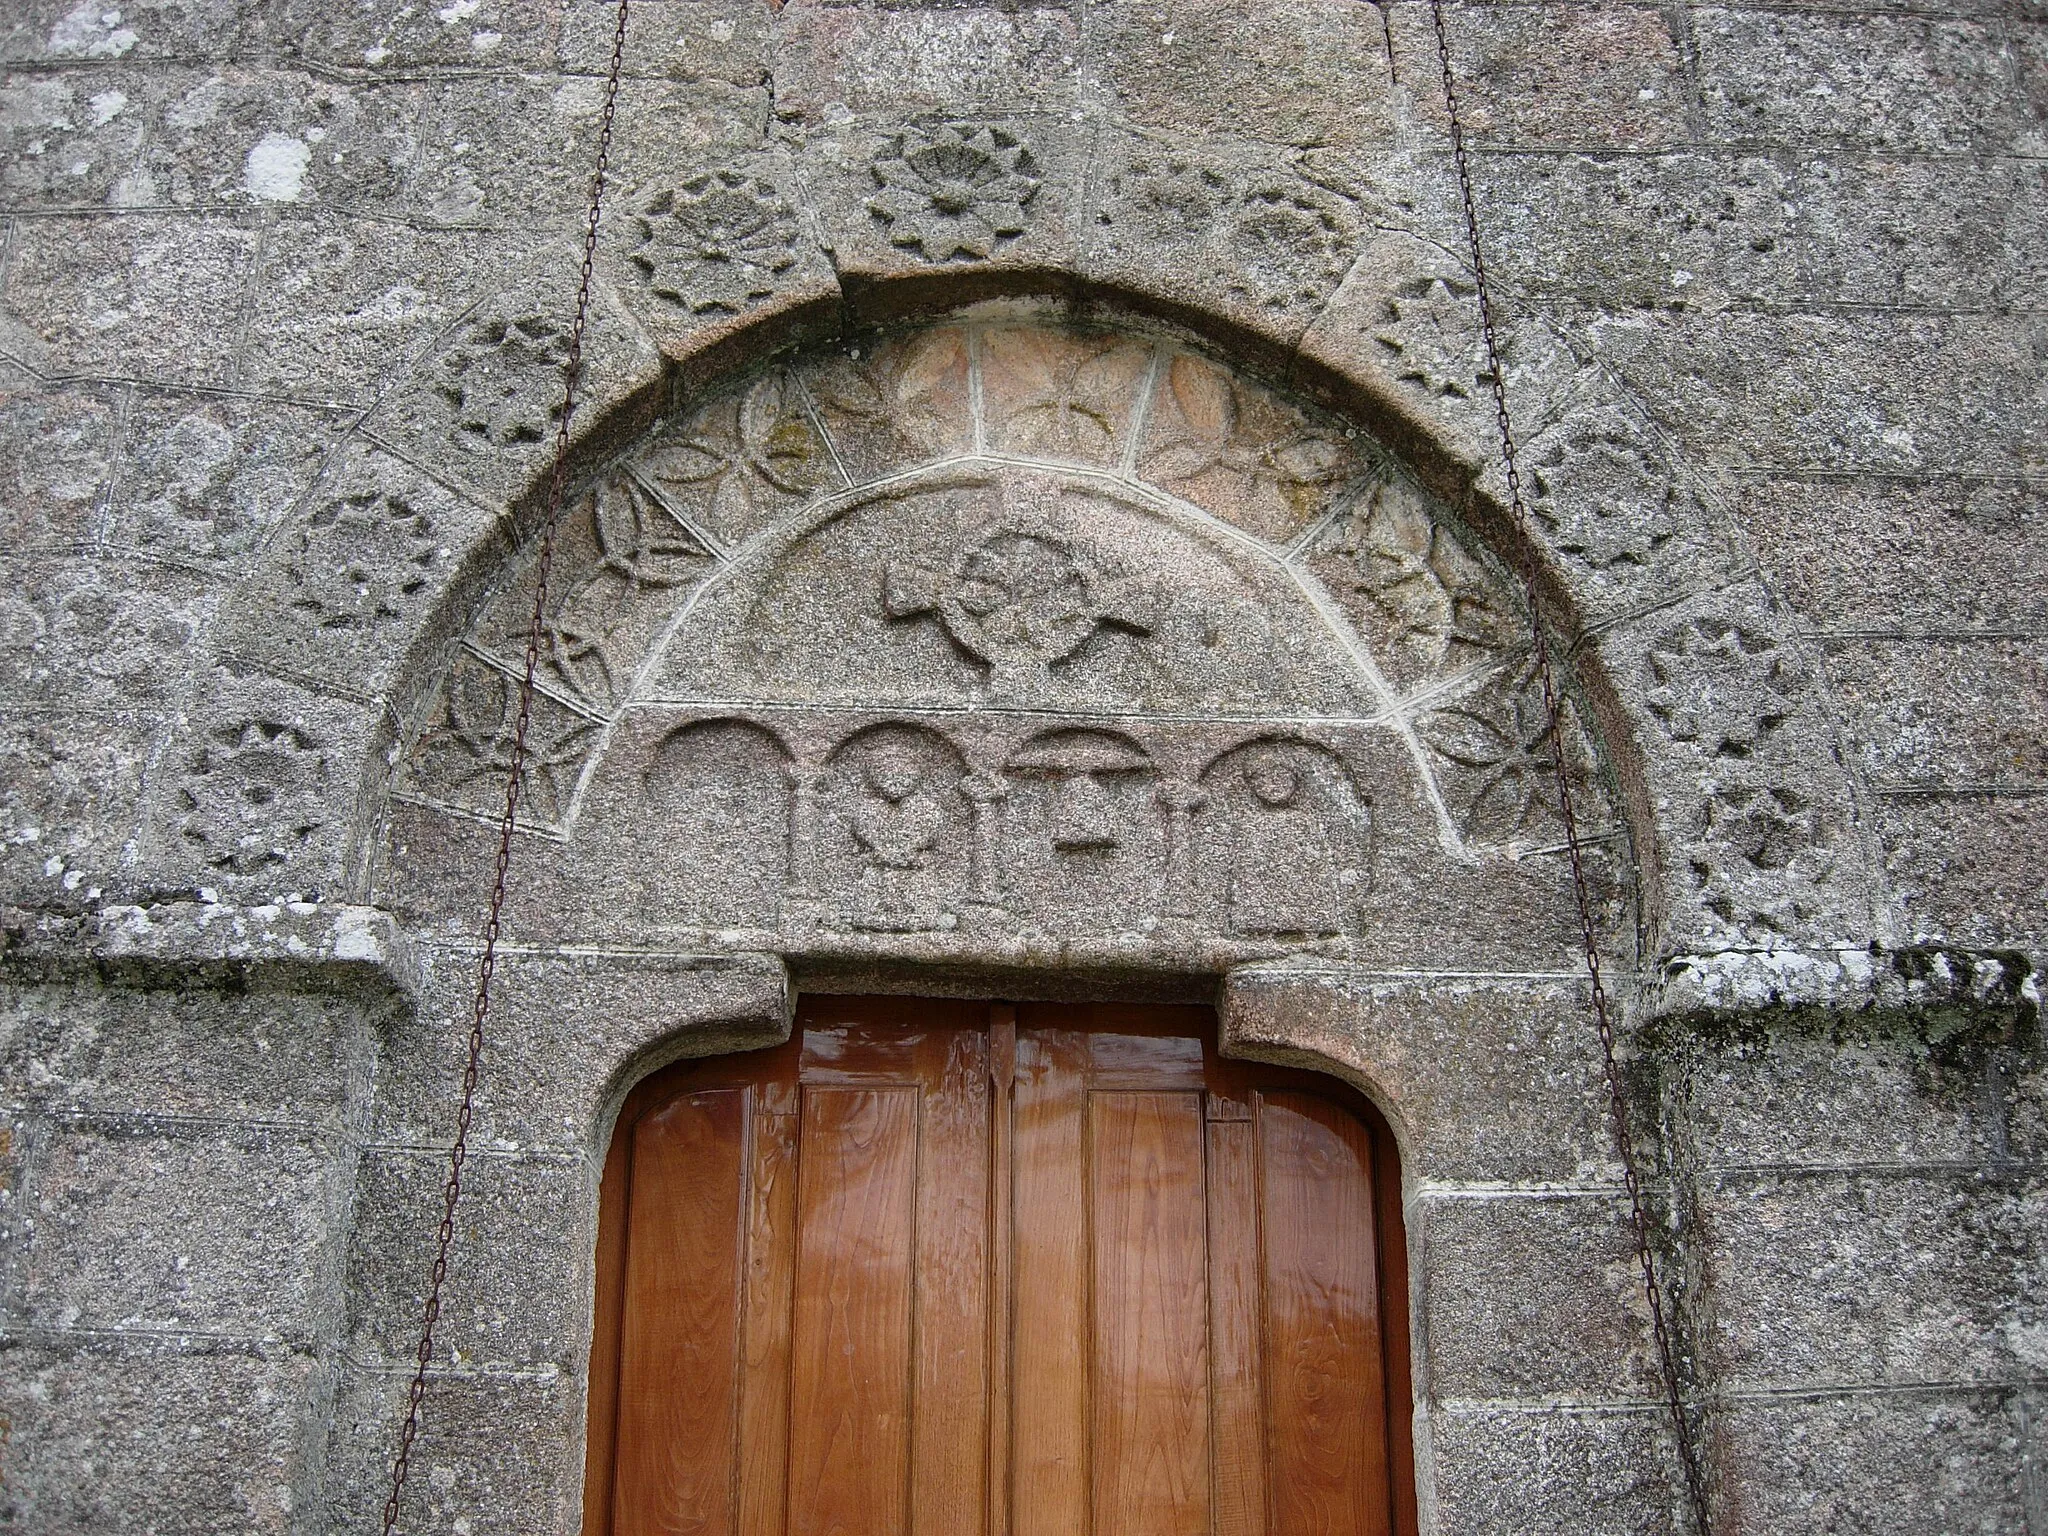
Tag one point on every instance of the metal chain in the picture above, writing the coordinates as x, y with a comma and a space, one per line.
536, 632
1617, 1100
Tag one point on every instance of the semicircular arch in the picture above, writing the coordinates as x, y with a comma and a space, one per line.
995, 530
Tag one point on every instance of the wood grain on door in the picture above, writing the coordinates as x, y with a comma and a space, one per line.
937, 1269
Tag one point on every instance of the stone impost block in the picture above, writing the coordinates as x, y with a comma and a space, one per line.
297, 943
570, 1032
1485, 1079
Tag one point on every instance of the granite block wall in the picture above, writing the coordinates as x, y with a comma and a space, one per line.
283, 290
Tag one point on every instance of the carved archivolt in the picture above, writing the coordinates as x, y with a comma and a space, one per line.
1003, 631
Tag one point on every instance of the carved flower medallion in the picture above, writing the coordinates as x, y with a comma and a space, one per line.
717, 243
954, 191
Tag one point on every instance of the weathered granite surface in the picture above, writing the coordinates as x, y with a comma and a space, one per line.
1038, 481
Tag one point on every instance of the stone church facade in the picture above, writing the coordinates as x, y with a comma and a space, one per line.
1035, 531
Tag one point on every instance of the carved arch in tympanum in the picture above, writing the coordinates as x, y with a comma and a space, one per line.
1011, 639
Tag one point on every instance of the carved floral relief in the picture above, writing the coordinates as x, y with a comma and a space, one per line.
717, 243
955, 191
742, 459
891, 403
362, 560
1057, 395
619, 555
253, 795
1240, 452
502, 381
1284, 242
1425, 605
465, 753
1498, 756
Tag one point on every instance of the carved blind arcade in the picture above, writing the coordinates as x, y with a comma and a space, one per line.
1007, 635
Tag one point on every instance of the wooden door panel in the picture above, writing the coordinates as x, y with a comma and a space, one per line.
1324, 1394
932, 1271
1236, 1308
768, 1303
849, 1452
1150, 1428
1049, 1288
951, 1381
682, 1268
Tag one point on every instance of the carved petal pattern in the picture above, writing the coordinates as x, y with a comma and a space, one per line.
1240, 452
742, 459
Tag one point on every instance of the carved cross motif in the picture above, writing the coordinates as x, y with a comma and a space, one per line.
1018, 602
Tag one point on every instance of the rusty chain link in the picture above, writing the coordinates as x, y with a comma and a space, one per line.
536, 632
1617, 1098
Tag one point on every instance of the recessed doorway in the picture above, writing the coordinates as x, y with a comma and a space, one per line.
937, 1268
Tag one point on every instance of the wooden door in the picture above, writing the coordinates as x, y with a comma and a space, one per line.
942, 1269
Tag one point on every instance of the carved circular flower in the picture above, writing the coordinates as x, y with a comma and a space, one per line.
253, 795
503, 381
717, 242
1431, 332
954, 191
362, 560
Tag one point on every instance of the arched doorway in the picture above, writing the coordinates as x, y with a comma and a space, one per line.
942, 1267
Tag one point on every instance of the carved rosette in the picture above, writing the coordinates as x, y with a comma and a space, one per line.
717, 243
502, 381
254, 795
1766, 844
955, 191
1285, 242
